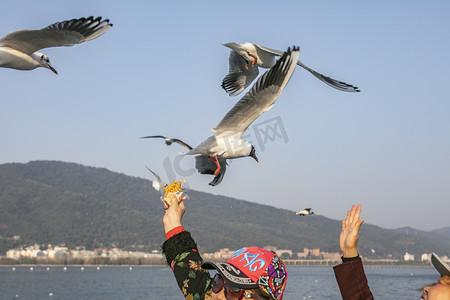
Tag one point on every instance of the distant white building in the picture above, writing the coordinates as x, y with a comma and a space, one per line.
408, 256
83, 254
280, 252
37, 253
222, 254
334, 256
445, 258
425, 257
13, 254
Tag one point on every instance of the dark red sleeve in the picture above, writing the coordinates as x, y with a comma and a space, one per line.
352, 281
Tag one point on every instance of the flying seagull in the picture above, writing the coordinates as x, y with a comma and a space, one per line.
158, 184
226, 142
305, 212
203, 163
18, 49
245, 59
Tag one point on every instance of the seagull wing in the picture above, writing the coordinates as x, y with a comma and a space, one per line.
65, 33
339, 85
240, 74
160, 182
169, 141
261, 96
272, 51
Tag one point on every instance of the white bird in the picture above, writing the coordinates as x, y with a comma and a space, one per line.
305, 212
203, 163
245, 59
159, 185
18, 49
226, 142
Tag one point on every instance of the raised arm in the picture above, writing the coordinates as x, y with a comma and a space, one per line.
182, 255
350, 274
174, 214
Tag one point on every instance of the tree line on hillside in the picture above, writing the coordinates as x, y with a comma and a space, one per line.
48, 202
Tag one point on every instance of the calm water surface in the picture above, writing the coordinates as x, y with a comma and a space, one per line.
159, 283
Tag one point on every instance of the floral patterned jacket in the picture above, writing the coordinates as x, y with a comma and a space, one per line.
182, 256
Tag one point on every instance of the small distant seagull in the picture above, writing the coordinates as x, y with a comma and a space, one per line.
18, 49
226, 142
245, 59
305, 212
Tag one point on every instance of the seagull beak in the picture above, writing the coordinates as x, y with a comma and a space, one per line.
53, 70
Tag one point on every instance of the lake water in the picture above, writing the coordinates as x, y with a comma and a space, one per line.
307, 282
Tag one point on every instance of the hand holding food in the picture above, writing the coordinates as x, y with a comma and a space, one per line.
168, 190
173, 189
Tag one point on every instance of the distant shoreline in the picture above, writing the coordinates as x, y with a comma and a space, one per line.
288, 262
77, 266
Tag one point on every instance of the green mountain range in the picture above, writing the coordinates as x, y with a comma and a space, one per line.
50, 202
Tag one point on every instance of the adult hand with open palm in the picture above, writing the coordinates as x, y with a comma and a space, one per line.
348, 239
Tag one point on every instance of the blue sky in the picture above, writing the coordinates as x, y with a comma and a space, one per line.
159, 69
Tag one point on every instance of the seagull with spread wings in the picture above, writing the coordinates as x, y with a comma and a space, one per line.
226, 142
19, 49
203, 163
245, 59
305, 212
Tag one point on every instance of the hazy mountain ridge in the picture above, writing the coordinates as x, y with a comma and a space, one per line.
58, 202
444, 232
